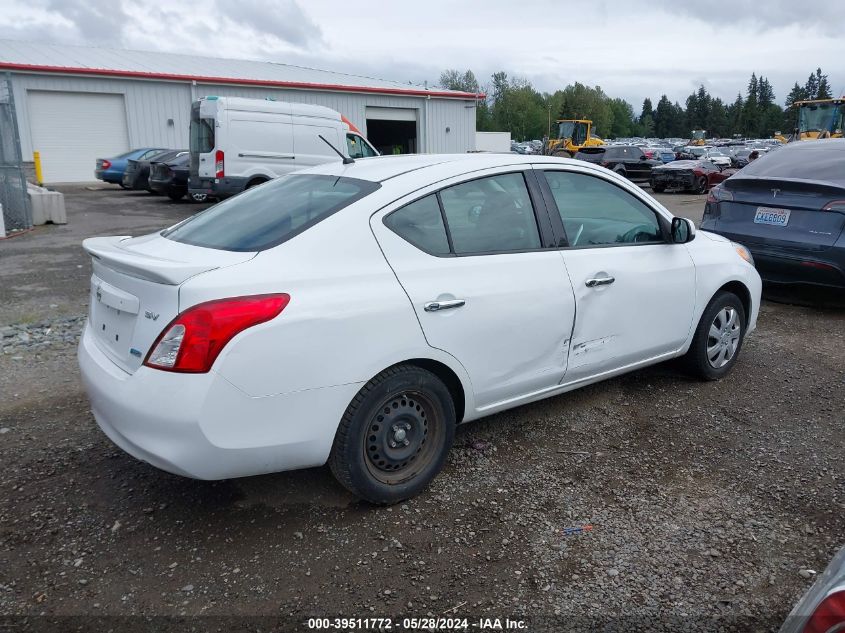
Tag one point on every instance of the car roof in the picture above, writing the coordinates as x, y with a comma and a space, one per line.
381, 168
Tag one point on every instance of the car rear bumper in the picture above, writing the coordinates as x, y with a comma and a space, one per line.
202, 426
775, 265
167, 187
684, 181
217, 188
109, 175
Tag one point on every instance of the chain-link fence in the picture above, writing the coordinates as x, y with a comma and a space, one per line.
17, 212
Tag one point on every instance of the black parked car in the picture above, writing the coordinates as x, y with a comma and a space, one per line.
137, 172
170, 177
626, 160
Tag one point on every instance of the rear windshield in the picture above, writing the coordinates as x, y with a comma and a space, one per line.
267, 215
794, 161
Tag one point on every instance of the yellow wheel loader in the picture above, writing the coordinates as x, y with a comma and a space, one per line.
572, 135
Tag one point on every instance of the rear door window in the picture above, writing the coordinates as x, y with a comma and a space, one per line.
265, 216
202, 135
421, 224
492, 214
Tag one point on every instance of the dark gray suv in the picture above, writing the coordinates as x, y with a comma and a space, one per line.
788, 208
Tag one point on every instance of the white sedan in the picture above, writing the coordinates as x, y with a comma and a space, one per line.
717, 157
354, 314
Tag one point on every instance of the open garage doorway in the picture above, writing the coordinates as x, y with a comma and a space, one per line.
393, 130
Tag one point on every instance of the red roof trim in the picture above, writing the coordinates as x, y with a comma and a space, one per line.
135, 74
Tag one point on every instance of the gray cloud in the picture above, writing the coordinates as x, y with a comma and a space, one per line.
282, 19
99, 22
649, 47
824, 16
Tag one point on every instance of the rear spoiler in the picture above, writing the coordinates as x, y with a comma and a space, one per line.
142, 266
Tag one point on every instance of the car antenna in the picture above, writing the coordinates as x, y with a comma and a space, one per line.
346, 159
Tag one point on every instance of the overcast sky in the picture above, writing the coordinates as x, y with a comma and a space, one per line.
633, 49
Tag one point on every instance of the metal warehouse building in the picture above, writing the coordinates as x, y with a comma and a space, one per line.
75, 104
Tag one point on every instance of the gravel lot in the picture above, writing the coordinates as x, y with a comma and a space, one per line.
708, 503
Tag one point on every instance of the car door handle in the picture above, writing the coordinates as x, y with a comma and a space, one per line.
599, 281
435, 306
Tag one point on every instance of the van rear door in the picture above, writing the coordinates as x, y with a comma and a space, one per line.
203, 139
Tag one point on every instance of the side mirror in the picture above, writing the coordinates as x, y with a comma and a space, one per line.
643, 157
683, 230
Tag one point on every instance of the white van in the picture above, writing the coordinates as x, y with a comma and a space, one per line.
237, 143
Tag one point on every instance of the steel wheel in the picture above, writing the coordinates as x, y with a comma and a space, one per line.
723, 337
402, 437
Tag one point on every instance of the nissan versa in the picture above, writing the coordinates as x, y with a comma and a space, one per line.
355, 313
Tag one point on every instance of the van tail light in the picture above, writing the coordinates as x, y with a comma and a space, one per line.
106, 164
219, 171
836, 205
194, 339
829, 615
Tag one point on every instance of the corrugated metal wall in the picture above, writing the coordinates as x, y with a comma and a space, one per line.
151, 104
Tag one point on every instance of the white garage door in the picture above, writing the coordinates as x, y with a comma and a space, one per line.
73, 129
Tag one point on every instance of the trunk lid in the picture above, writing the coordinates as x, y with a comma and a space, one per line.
799, 201
135, 290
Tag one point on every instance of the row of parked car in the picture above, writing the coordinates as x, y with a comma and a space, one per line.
689, 168
154, 169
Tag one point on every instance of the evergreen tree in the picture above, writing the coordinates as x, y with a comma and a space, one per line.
765, 94
750, 110
823, 90
648, 111
717, 118
735, 110
811, 88
663, 118
679, 121
788, 118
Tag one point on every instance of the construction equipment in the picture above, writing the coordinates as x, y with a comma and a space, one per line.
817, 119
572, 135
698, 137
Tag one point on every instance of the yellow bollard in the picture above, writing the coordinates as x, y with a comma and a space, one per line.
39, 175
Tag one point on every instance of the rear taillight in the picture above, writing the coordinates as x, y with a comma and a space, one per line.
194, 339
219, 171
719, 194
835, 205
106, 164
829, 615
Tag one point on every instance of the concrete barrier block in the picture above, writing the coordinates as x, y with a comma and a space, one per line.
47, 206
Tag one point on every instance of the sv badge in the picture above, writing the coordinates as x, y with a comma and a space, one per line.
151, 315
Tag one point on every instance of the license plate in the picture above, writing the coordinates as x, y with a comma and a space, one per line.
775, 217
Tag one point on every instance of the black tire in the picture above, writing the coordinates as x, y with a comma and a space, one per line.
365, 457
175, 195
658, 188
122, 186
621, 172
701, 185
696, 360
